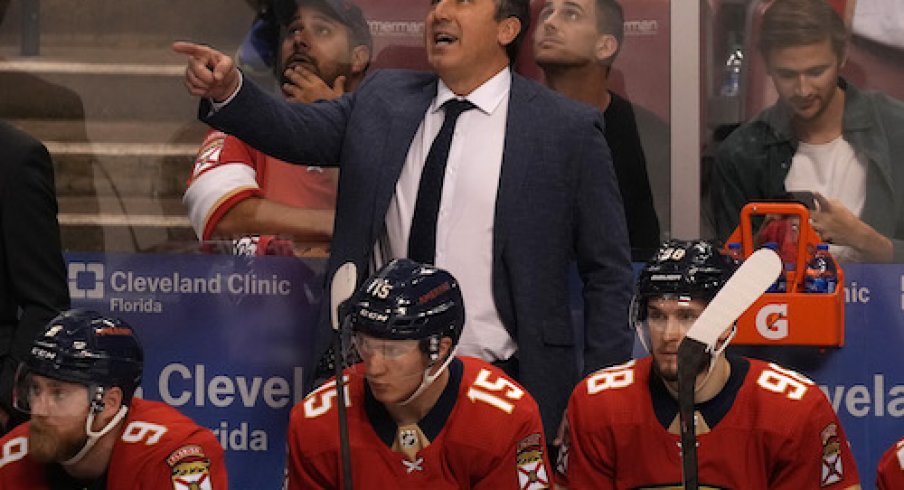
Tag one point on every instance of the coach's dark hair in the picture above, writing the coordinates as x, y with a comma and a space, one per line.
789, 23
610, 19
519, 9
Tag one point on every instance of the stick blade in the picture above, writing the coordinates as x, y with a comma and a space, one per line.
341, 288
744, 287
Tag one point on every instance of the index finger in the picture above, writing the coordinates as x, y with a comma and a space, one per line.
192, 49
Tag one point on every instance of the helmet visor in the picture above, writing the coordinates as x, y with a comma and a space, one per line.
367, 347
389, 363
39, 395
651, 318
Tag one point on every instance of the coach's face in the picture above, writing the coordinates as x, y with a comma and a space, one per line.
58, 413
464, 40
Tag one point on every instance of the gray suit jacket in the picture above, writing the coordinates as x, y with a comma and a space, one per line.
557, 204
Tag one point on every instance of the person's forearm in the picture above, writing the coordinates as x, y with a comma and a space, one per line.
257, 215
872, 245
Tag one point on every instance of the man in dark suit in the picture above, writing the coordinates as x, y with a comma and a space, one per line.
32, 275
528, 189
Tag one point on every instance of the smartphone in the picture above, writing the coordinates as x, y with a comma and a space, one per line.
804, 197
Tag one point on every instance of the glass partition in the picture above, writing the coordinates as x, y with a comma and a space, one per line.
772, 161
98, 84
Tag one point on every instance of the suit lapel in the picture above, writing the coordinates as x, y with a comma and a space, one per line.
518, 152
406, 115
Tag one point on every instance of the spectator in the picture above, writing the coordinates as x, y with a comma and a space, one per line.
32, 274
891, 468
236, 190
823, 135
758, 425
575, 43
416, 410
259, 51
87, 430
529, 191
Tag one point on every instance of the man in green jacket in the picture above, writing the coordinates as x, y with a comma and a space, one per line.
822, 136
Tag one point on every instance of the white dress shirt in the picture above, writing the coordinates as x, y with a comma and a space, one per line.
464, 228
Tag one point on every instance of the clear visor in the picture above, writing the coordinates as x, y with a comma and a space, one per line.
387, 361
654, 318
42, 396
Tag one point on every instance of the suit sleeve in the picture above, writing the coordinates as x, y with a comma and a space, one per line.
603, 254
293, 132
31, 237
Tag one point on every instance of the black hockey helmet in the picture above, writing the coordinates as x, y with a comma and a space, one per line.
406, 300
85, 347
693, 269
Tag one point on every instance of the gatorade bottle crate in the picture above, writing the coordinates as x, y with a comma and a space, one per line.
794, 317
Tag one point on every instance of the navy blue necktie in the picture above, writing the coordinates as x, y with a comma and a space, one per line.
422, 239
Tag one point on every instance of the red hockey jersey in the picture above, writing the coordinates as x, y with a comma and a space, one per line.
227, 171
768, 428
484, 431
159, 448
891, 468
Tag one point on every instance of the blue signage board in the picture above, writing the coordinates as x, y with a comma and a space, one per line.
228, 341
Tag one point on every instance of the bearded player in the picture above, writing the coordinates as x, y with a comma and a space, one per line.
759, 425
86, 429
418, 416
236, 190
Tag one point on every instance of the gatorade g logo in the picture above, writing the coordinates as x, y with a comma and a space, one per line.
772, 321
86, 280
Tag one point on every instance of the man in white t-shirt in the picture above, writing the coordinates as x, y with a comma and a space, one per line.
823, 136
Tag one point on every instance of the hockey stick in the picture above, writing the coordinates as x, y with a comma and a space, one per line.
341, 289
744, 287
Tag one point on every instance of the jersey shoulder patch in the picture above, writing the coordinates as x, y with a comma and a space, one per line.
190, 468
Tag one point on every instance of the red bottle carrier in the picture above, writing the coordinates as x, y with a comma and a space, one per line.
794, 317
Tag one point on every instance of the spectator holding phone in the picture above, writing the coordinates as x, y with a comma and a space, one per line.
823, 135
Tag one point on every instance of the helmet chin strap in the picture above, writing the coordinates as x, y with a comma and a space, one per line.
93, 436
715, 354
428, 379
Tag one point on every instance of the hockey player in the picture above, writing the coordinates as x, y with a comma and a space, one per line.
758, 426
86, 429
418, 416
236, 190
891, 468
